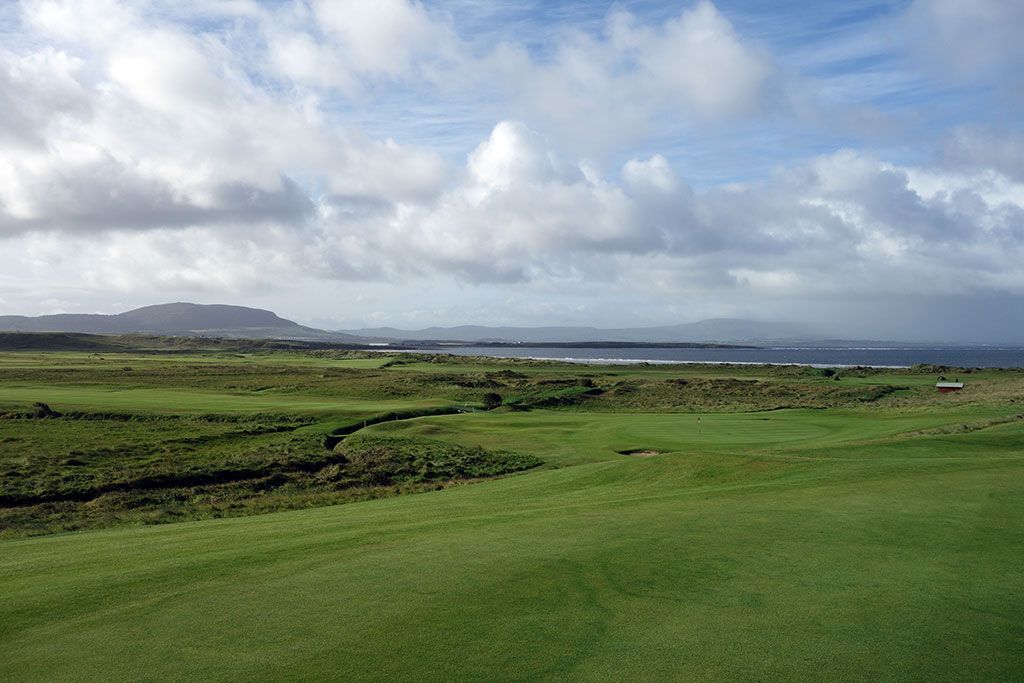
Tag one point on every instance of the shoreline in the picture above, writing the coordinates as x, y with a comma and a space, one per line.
882, 358
641, 361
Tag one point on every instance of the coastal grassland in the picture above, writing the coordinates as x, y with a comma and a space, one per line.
151, 437
782, 525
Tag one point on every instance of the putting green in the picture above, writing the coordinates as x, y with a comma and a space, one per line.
565, 437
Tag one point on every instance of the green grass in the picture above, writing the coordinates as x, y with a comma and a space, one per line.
880, 540
570, 438
622, 569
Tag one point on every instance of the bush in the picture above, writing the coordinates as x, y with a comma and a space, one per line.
492, 401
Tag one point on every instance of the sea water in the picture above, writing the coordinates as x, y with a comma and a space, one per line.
965, 357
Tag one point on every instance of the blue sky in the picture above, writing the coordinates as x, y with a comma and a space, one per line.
415, 163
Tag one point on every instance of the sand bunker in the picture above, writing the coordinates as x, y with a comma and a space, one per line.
640, 452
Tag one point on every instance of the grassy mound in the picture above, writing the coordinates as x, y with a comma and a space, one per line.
734, 395
85, 470
384, 461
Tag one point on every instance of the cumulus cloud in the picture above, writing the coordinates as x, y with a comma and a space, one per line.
696, 60
513, 212
842, 222
153, 127
598, 90
382, 37
339, 43
152, 152
37, 89
966, 39
976, 149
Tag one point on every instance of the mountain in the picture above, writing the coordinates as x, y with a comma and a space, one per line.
218, 320
177, 319
716, 330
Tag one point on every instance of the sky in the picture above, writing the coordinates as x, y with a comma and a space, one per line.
854, 166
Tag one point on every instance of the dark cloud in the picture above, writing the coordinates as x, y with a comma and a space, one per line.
108, 195
974, 148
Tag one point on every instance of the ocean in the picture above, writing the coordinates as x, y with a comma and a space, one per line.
895, 357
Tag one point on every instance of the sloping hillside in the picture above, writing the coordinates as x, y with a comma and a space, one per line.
174, 319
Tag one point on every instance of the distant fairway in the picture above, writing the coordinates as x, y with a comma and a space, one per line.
851, 543
198, 401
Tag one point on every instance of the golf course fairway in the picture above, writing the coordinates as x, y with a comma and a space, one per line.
880, 543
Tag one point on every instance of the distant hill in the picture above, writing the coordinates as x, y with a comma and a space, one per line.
116, 343
213, 320
241, 322
724, 330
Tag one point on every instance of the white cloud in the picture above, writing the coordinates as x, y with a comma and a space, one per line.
965, 39
106, 20
655, 173
297, 56
695, 59
843, 222
168, 73
381, 37
157, 128
36, 91
976, 148
149, 155
513, 153
601, 91
341, 44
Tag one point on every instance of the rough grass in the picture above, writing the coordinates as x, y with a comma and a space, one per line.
161, 469
382, 461
155, 438
732, 395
